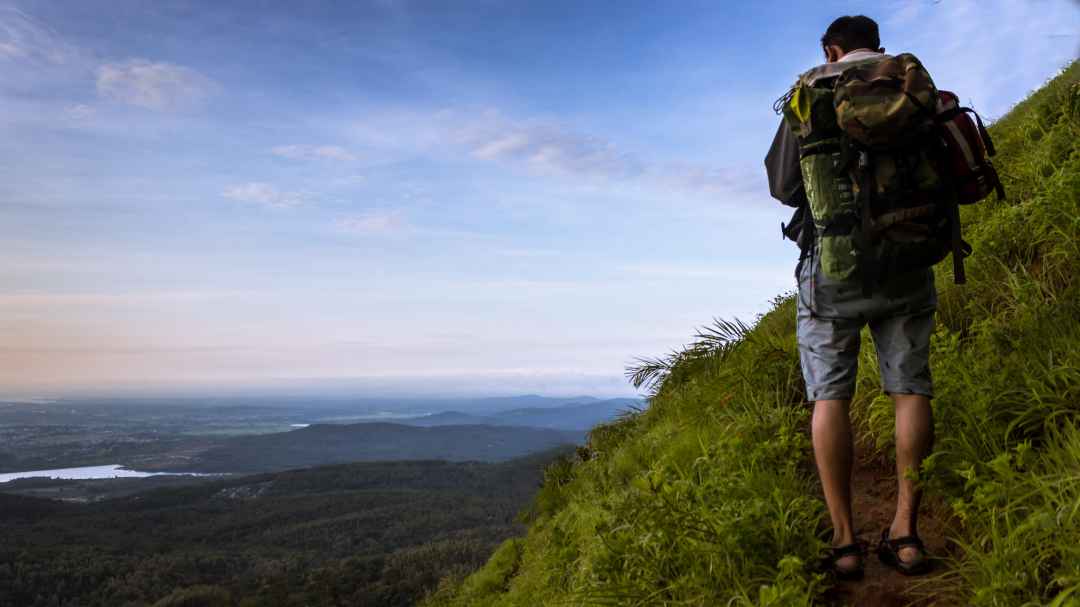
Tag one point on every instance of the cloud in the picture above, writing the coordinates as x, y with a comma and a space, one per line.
541, 146
24, 39
318, 152
156, 86
960, 43
553, 149
528, 253
778, 274
79, 111
546, 148
264, 194
373, 222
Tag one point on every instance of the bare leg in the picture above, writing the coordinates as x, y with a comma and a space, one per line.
834, 452
914, 440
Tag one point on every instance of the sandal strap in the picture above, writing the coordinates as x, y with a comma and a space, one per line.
907, 540
900, 542
847, 550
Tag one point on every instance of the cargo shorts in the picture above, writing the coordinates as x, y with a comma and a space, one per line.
831, 315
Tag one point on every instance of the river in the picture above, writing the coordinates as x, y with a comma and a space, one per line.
85, 473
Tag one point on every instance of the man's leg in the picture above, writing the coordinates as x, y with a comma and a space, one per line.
914, 440
834, 452
829, 359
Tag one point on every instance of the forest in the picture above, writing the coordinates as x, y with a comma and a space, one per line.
370, 533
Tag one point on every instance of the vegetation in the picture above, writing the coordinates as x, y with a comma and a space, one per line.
376, 533
708, 497
323, 444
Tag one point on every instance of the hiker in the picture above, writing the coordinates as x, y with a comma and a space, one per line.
834, 304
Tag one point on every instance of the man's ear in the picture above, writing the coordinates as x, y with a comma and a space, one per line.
833, 53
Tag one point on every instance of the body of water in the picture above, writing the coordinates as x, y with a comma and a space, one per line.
86, 473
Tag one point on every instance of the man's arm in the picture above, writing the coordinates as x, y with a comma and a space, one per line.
786, 185
782, 166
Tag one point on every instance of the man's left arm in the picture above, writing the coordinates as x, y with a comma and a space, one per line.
782, 166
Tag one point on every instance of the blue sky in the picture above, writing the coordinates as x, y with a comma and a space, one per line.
416, 197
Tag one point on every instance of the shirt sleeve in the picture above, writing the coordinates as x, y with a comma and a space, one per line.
782, 166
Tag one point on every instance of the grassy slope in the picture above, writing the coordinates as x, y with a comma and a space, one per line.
708, 497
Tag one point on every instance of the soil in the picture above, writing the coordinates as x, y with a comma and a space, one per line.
873, 503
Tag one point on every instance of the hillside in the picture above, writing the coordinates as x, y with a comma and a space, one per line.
709, 497
574, 416
373, 533
323, 444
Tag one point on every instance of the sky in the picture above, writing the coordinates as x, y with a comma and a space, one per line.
398, 197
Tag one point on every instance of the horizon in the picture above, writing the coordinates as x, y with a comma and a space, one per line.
312, 396
403, 199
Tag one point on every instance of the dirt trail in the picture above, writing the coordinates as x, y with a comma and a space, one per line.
873, 502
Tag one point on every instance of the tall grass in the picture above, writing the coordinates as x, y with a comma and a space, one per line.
708, 497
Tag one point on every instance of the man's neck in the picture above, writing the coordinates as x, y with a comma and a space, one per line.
859, 53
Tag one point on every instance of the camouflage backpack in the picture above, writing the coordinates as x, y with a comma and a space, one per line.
875, 169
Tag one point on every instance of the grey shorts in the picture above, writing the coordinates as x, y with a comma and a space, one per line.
831, 315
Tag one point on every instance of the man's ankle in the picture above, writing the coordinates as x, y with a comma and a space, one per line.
901, 529
843, 538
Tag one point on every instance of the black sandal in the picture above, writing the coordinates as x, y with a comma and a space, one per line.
857, 549
888, 552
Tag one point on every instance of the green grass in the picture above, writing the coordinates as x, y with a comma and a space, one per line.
708, 497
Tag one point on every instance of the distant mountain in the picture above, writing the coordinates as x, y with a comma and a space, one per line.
497, 404
575, 415
323, 444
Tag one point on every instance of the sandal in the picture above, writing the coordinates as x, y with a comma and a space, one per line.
888, 552
856, 549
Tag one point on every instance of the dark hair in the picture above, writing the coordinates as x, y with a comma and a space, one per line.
852, 32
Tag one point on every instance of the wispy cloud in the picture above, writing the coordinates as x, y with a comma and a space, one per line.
960, 43
264, 194
550, 148
539, 145
373, 222
24, 38
156, 86
545, 147
318, 152
759, 272
79, 112
528, 253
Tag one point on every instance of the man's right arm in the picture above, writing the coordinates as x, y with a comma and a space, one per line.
782, 166
786, 185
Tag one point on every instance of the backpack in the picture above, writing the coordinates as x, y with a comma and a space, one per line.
886, 159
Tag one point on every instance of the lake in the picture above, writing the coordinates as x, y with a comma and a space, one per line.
85, 473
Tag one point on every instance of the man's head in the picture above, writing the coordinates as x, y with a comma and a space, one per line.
850, 33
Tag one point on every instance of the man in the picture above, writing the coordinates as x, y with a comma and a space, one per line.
831, 314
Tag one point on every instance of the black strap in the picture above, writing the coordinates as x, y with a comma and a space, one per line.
907, 540
841, 225
855, 549
985, 134
958, 244
865, 234
821, 148
778, 105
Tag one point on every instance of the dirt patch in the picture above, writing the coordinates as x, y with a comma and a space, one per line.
873, 503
